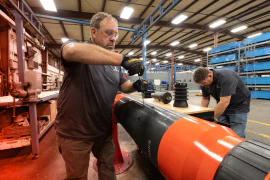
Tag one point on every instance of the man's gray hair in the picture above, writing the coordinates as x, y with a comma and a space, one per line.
98, 17
200, 74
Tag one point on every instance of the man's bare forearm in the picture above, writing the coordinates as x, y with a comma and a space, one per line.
127, 87
90, 54
205, 101
219, 109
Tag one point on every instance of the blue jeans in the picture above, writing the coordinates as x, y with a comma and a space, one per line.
237, 121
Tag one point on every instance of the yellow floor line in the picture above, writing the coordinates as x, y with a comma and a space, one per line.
258, 122
263, 135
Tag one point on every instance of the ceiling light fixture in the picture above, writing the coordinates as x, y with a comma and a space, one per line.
238, 29
179, 19
154, 53
146, 42
181, 57
197, 60
168, 54
217, 23
64, 40
48, 5
131, 53
174, 43
207, 49
180, 64
253, 35
126, 13
192, 45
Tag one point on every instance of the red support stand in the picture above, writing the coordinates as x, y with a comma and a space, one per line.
122, 159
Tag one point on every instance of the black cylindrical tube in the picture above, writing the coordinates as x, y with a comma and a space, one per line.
247, 160
145, 124
164, 97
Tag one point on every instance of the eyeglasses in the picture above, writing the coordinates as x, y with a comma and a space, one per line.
110, 33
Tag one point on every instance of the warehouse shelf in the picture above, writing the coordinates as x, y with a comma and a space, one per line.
256, 72
253, 60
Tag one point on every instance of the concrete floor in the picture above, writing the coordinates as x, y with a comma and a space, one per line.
18, 163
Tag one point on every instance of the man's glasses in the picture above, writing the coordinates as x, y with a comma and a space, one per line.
110, 33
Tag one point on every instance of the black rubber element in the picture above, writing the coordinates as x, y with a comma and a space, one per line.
249, 160
180, 95
164, 97
146, 124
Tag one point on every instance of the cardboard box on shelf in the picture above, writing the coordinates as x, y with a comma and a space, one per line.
47, 108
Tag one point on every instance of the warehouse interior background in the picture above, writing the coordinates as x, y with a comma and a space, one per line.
187, 34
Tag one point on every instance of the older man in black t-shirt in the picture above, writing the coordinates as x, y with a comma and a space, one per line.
231, 94
92, 77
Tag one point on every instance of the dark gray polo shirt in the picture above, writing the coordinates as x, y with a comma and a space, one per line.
226, 82
85, 100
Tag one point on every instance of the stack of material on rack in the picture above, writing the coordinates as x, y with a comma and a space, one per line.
225, 47
226, 58
256, 67
224, 55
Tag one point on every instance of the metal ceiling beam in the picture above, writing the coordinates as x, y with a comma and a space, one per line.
77, 21
63, 28
81, 26
140, 16
189, 17
103, 6
85, 15
140, 47
158, 13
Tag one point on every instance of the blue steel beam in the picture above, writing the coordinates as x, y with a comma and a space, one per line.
150, 20
77, 21
144, 54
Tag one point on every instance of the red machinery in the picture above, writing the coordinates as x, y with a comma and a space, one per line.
186, 147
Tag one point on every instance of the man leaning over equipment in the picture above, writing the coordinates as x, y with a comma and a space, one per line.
231, 94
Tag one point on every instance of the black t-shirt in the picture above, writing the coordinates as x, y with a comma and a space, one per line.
85, 100
226, 82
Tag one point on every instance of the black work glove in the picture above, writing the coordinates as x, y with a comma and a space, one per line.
133, 66
140, 85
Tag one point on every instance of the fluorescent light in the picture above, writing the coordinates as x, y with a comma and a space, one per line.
154, 59
154, 53
217, 23
64, 40
147, 62
207, 49
181, 57
180, 64
179, 19
131, 53
126, 13
48, 5
141, 58
192, 45
168, 54
157, 63
165, 61
219, 67
253, 35
197, 60
146, 42
174, 43
238, 29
